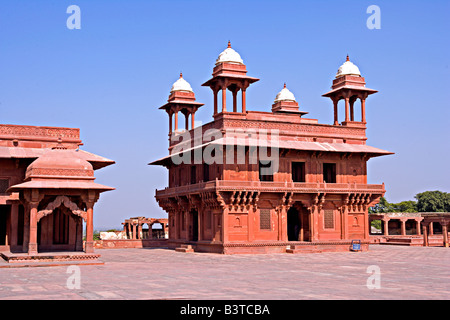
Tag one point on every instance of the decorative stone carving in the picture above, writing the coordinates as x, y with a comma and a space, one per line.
57, 203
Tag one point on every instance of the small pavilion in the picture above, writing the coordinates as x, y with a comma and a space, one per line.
134, 228
58, 194
416, 228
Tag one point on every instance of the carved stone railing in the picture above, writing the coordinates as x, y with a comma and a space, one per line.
8, 131
263, 186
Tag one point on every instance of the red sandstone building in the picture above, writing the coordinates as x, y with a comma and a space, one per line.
297, 183
47, 192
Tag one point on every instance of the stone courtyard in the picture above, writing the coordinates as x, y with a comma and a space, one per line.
405, 273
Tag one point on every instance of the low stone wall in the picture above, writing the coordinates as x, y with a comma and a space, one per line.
130, 243
268, 247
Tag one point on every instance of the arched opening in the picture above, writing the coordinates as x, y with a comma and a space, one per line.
60, 231
341, 110
394, 227
437, 228
298, 223
410, 227
193, 226
157, 230
355, 108
376, 227
293, 224
145, 231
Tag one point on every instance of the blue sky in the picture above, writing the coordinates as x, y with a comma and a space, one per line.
110, 77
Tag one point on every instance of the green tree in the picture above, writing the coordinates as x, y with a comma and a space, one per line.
433, 201
382, 206
405, 206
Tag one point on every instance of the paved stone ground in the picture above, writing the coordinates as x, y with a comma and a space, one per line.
405, 273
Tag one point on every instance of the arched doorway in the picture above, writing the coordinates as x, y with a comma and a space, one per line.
298, 223
293, 224
193, 226
60, 231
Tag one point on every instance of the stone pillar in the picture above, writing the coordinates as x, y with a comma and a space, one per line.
366, 225
282, 223
403, 228
363, 110
224, 228
139, 232
129, 234
26, 228
314, 223
335, 104
386, 226
192, 120
425, 235
187, 225
170, 122
347, 107
445, 233
213, 226
13, 227
418, 227
176, 121
200, 224
301, 236
89, 246
224, 99
215, 101
32, 245
79, 239
134, 232
251, 223
243, 101
430, 229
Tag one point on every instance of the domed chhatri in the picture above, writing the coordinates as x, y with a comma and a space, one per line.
181, 98
350, 86
348, 68
229, 55
285, 103
60, 163
181, 85
284, 95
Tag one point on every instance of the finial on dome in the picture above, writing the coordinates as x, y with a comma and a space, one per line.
348, 59
285, 85
229, 44
181, 75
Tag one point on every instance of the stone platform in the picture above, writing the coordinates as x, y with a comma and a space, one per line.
48, 259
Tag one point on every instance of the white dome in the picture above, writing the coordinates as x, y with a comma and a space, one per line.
181, 85
229, 55
348, 68
284, 95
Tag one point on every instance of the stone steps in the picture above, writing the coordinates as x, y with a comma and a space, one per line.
185, 248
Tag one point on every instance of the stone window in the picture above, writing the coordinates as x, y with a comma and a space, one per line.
264, 219
328, 219
4, 185
298, 172
205, 172
264, 171
329, 172
193, 174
